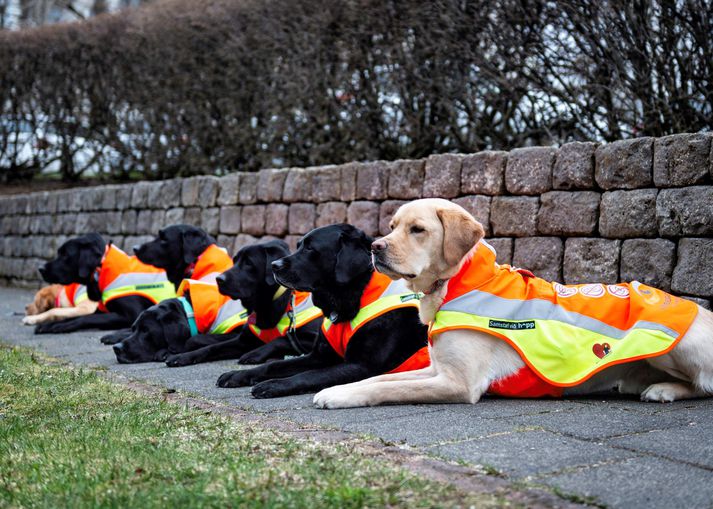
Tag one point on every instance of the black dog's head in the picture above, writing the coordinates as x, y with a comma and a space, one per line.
76, 260
326, 258
251, 279
174, 249
155, 334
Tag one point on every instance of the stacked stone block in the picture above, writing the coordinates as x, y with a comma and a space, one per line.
633, 209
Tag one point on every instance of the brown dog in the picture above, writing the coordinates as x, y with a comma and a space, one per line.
436, 246
53, 303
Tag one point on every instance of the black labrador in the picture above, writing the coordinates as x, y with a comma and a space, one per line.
76, 261
177, 249
334, 263
252, 281
162, 332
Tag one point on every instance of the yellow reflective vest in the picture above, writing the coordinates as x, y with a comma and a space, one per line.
563, 333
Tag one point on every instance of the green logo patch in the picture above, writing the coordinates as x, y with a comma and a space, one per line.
503, 324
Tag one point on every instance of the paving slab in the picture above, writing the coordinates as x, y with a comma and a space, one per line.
537, 452
618, 451
586, 421
688, 444
640, 482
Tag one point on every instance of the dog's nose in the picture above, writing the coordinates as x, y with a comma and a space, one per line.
220, 278
378, 245
42, 269
136, 248
278, 264
119, 347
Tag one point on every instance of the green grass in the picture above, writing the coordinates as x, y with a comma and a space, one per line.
69, 438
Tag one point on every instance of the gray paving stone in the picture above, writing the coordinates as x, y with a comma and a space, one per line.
586, 422
682, 443
339, 418
443, 425
643, 482
521, 454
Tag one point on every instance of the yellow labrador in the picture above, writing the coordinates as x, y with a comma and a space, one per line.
430, 241
51, 303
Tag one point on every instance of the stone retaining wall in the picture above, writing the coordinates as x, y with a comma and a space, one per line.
635, 209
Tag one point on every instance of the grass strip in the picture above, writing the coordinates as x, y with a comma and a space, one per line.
69, 438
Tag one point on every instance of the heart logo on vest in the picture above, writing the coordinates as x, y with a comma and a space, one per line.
601, 350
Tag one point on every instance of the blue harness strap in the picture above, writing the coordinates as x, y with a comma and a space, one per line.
190, 315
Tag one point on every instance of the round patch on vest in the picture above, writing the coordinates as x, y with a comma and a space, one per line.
593, 290
618, 291
650, 296
564, 291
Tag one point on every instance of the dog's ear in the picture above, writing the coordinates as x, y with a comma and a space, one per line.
91, 250
353, 257
193, 242
274, 250
460, 233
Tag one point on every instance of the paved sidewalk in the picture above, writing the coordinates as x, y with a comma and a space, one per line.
618, 452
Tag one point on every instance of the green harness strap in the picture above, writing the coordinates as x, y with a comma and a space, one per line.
190, 314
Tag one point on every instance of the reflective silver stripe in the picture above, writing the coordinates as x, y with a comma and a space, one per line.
229, 309
81, 294
486, 304
304, 305
395, 288
135, 278
209, 278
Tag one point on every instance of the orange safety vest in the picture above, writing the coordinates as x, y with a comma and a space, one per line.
211, 263
214, 313
564, 333
120, 275
300, 310
380, 296
75, 293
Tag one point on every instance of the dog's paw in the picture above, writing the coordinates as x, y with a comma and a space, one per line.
667, 392
178, 360
233, 379
29, 320
253, 357
338, 397
111, 339
272, 389
48, 328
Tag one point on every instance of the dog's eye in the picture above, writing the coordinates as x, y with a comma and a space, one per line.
417, 229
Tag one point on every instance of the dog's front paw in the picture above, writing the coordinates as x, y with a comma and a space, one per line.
338, 397
253, 357
272, 389
666, 392
49, 328
29, 320
112, 339
234, 379
178, 360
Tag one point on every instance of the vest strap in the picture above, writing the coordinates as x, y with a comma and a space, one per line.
190, 315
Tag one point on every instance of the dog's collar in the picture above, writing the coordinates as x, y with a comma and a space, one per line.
435, 286
279, 293
190, 315
189, 271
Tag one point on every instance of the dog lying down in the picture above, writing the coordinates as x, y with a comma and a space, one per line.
495, 329
372, 325
185, 252
205, 324
57, 302
280, 321
121, 284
